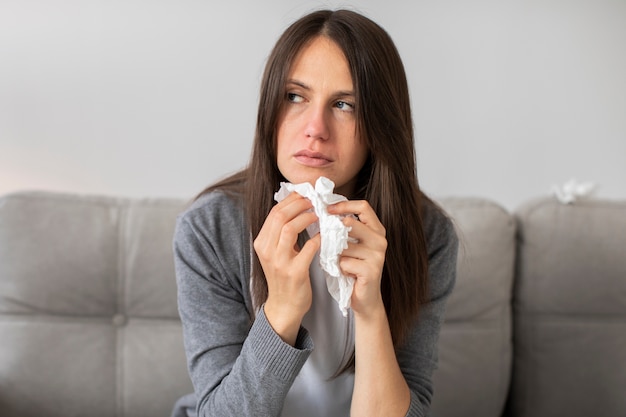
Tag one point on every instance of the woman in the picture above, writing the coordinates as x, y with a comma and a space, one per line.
261, 334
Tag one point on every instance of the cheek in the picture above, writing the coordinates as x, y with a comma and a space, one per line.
288, 139
359, 162
359, 151
284, 145
360, 159
285, 130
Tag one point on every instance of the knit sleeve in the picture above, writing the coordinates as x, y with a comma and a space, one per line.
238, 364
418, 357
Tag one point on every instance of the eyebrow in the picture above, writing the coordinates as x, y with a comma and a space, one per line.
341, 93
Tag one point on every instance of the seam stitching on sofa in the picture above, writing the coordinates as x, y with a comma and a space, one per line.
121, 294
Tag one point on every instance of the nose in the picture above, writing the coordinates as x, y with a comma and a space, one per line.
317, 123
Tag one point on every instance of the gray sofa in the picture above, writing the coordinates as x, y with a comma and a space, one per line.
536, 325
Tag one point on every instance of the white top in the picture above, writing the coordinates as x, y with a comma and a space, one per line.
314, 392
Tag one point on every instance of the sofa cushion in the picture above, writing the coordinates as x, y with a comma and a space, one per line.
88, 300
570, 310
475, 341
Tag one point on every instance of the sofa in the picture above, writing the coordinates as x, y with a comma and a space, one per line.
536, 325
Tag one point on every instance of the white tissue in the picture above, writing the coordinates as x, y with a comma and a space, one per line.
334, 235
573, 190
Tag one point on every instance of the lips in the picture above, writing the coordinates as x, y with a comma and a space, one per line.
312, 159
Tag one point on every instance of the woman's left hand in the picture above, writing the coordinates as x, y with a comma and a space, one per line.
364, 259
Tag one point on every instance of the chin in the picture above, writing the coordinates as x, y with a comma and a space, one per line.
300, 178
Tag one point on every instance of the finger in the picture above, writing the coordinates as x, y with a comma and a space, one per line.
309, 249
270, 233
290, 231
356, 251
291, 206
365, 236
359, 269
361, 209
284, 212
366, 253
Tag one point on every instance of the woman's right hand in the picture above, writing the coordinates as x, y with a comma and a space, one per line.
286, 266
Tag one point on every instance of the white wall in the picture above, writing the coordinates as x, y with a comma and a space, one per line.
158, 98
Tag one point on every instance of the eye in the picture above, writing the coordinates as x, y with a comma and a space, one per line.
345, 106
294, 98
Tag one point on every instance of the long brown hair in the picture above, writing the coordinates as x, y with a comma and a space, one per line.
388, 181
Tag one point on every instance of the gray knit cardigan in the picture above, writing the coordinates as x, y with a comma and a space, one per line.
238, 365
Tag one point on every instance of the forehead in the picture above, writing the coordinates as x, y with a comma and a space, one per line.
321, 59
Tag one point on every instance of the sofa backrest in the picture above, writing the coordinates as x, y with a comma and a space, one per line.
88, 316
570, 310
475, 350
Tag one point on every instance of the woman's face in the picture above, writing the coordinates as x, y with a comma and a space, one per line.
317, 125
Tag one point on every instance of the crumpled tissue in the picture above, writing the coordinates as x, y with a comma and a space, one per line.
333, 232
572, 190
